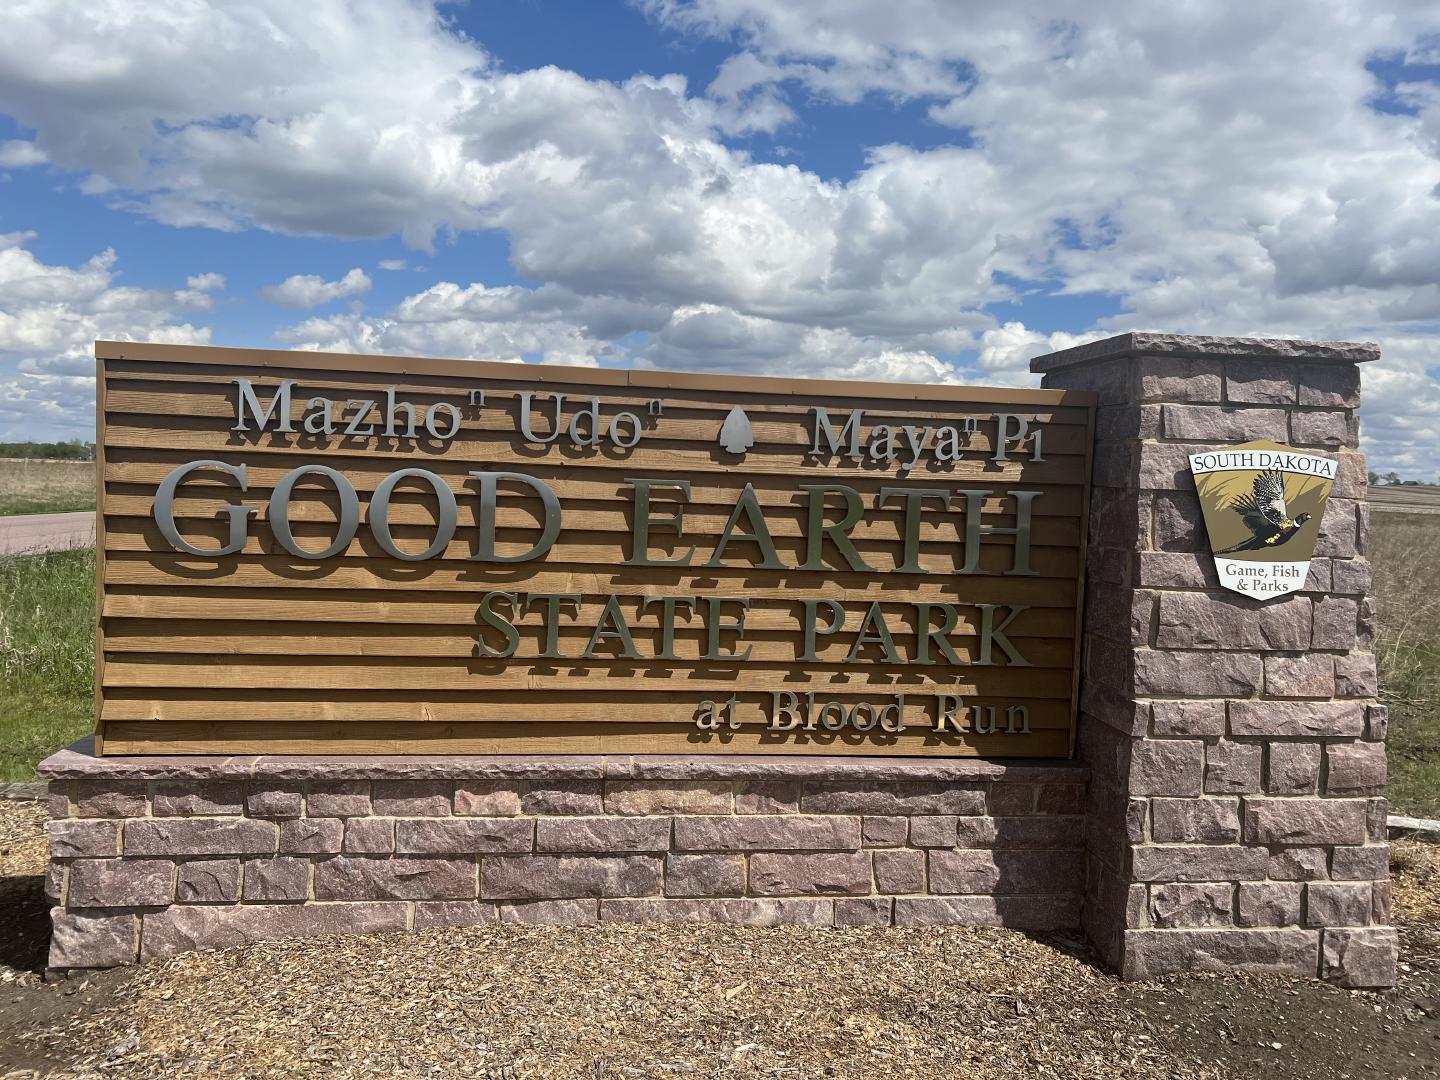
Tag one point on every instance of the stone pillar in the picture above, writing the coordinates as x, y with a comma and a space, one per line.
1235, 815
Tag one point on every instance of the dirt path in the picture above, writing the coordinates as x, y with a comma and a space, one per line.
31, 534
515, 1003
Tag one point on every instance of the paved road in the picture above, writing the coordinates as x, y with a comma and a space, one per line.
29, 533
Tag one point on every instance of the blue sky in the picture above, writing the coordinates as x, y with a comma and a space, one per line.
927, 190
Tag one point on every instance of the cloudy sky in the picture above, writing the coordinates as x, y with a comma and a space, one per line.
930, 190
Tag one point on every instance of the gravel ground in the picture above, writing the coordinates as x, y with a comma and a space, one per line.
524, 1003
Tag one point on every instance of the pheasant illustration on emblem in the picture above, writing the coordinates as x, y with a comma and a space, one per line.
1266, 515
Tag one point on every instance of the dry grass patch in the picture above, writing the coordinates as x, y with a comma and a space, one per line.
46, 487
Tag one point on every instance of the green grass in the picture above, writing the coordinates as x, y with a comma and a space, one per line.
46, 487
47, 647
1405, 552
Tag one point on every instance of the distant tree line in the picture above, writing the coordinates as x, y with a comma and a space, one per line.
1391, 479
74, 450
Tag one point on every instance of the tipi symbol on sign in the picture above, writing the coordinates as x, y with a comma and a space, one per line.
735, 433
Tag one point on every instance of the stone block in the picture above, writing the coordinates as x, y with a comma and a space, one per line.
603, 834
1168, 378
186, 928
1352, 576
1193, 620
109, 799
1298, 864
1355, 675
1048, 832
198, 799
1004, 873
1195, 821
1377, 722
884, 831
1297, 719
200, 836
1167, 767
1360, 958
1177, 862
1338, 536
412, 798
644, 797
1174, 570
1059, 911
1012, 799
487, 798
542, 877
1355, 768
339, 799
1150, 953
207, 881
91, 939
1309, 675
348, 877
1164, 466
430, 914
369, 836
1294, 768
1198, 674
552, 912
1336, 623
796, 911
765, 833
1317, 578
1329, 903
275, 801
811, 874
1179, 523
1333, 385
115, 883
1268, 903
1376, 819
1380, 902
570, 797
1206, 423
767, 797
1232, 768
75, 838
1198, 718
853, 911
311, 836
471, 836
704, 875
900, 871
1060, 799
1368, 863
939, 830
891, 797
284, 879
1301, 822
1328, 430
1180, 903
1260, 382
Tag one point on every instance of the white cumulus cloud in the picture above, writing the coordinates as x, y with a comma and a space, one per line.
311, 290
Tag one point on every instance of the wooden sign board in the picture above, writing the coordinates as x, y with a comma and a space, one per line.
305, 552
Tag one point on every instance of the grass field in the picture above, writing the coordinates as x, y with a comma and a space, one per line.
47, 604
47, 643
46, 487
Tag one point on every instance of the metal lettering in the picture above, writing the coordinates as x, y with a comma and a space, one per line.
946, 722
644, 519
279, 407
318, 422
238, 517
715, 625
349, 518
527, 430
990, 634
1003, 435
499, 622
485, 544
390, 407
975, 529
759, 534
452, 412
925, 633
790, 710
667, 604
850, 431
552, 603
914, 500
881, 637
837, 620
816, 530
621, 633
445, 514
362, 407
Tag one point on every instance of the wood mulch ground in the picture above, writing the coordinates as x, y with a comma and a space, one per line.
522, 1002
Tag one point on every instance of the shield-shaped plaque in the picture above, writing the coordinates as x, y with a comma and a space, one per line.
1263, 503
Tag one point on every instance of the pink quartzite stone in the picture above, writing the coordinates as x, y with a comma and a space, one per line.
1206, 423
1191, 821
73, 838
117, 883
277, 879
766, 833
863, 911
412, 798
1337, 903
1297, 718
900, 871
210, 799
1298, 864
1268, 903
311, 836
603, 834
111, 799
642, 797
182, 929
1149, 953
1260, 382
1188, 717
891, 798
747, 912
1335, 385
1369, 863
1012, 798
462, 836
1360, 958
275, 801
1207, 621
369, 836
1304, 821
810, 874
1175, 862
207, 881
570, 797
200, 836
939, 831
1191, 904
538, 877
339, 798
884, 831
704, 875
433, 913
1202, 674
1294, 768
83, 939
487, 798
1057, 912
1167, 767
1355, 768
551, 912
1308, 675
356, 878
1355, 675
767, 797
1004, 872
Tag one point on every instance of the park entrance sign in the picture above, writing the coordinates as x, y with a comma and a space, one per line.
305, 552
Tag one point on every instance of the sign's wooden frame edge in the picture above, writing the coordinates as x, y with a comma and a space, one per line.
226, 356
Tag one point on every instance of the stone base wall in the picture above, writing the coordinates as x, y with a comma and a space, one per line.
156, 856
